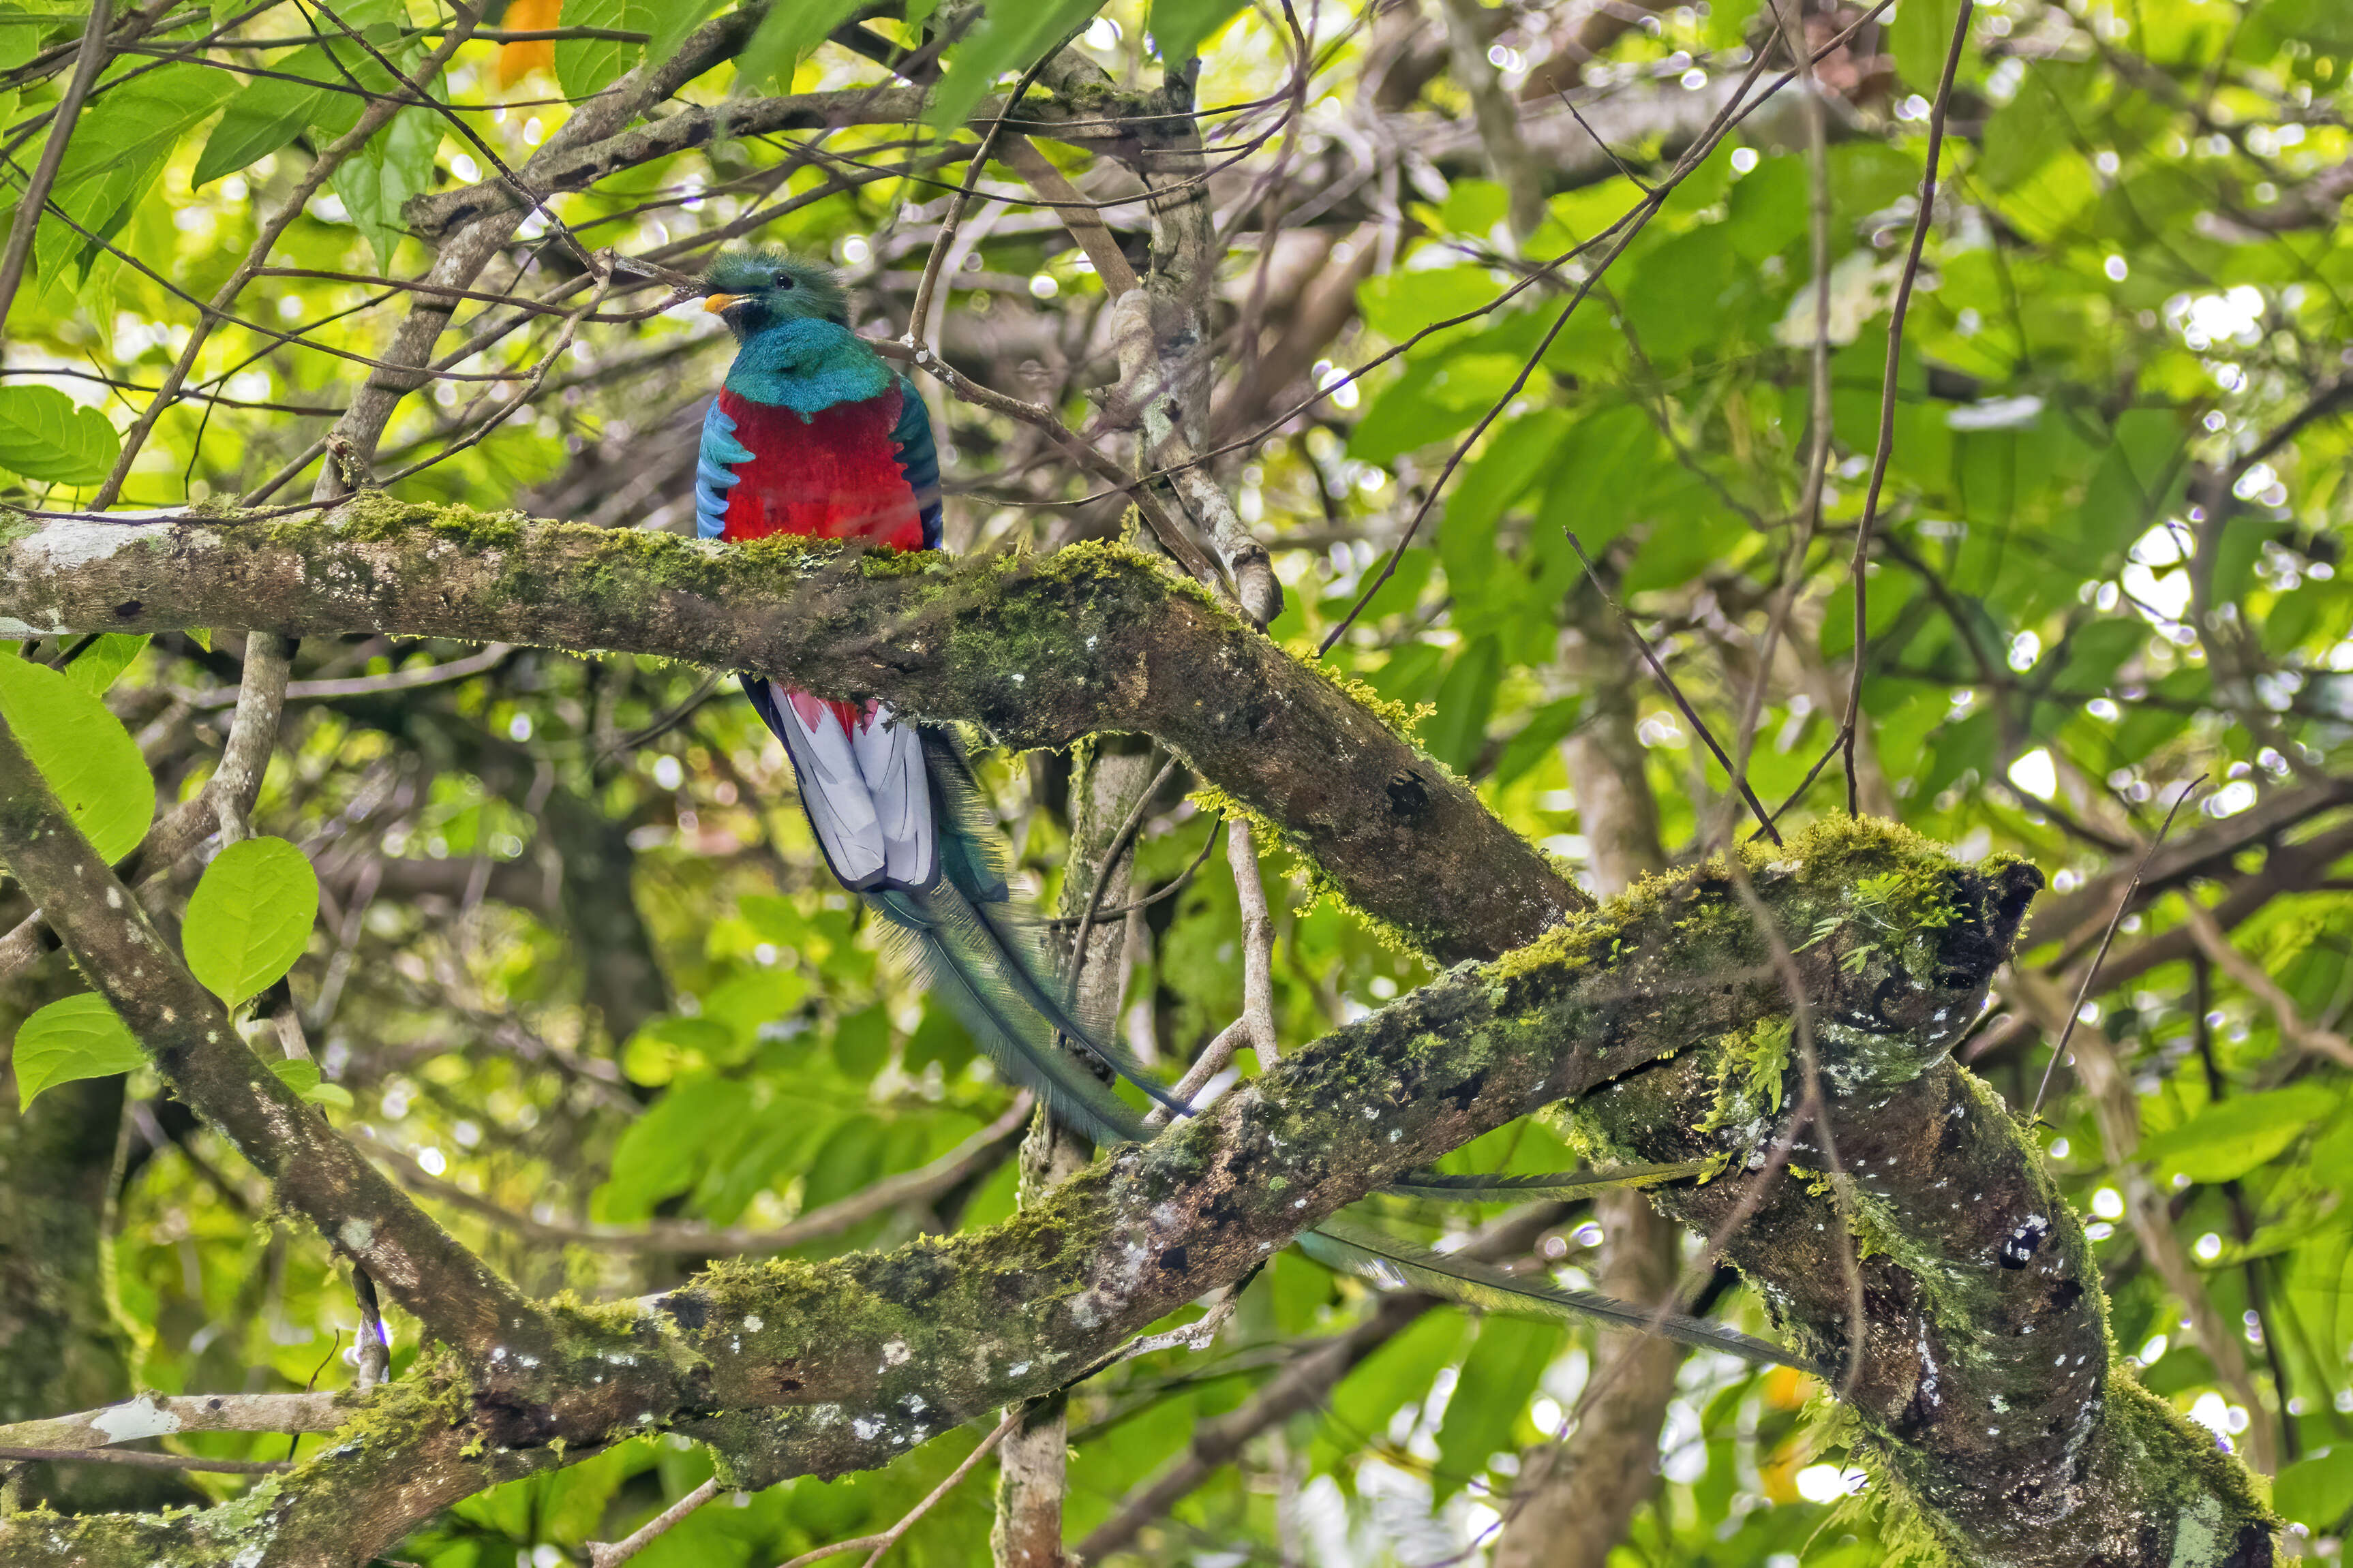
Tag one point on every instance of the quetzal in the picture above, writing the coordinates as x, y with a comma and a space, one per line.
815, 434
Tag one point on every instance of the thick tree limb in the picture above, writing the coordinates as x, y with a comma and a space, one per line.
1042, 652
788, 1368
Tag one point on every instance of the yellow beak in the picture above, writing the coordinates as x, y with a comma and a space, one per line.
714, 303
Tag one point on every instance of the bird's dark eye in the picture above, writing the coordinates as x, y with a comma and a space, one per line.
784, 280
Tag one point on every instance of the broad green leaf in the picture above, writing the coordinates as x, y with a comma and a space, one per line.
1010, 39
271, 111
376, 180
788, 33
1923, 36
1179, 27
77, 1037
676, 21
96, 667
44, 437
301, 1074
664, 1150
1398, 304
250, 917
83, 752
119, 144
2318, 1491
1499, 1377
2232, 1137
587, 66
1459, 729
1537, 737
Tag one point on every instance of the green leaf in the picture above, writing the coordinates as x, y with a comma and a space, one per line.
301, 1073
97, 667
1923, 36
77, 1037
667, 1147
2228, 1139
1179, 27
44, 437
84, 753
2318, 1491
119, 144
1010, 39
587, 66
1498, 1379
376, 182
1537, 737
250, 917
271, 111
1398, 304
1459, 729
785, 35
676, 21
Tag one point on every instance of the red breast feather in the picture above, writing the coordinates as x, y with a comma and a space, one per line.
832, 475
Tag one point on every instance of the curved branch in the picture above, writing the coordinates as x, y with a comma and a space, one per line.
1041, 651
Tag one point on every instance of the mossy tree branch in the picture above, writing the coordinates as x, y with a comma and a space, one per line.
1664, 999
1042, 650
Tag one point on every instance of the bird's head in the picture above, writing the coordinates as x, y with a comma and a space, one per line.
751, 291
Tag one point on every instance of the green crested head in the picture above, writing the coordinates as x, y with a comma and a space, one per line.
751, 291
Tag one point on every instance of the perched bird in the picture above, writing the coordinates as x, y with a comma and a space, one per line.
814, 435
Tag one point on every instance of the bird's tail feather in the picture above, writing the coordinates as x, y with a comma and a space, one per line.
967, 970
1350, 1247
972, 860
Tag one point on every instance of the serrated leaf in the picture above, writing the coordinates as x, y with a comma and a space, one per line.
587, 66
77, 1037
249, 917
119, 144
47, 438
88, 760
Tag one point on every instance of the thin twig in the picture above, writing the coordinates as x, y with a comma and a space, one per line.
217, 311
1175, 884
889, 1538
2249, 975
1118, 846
88, 62
1818, 443
1650, 656
2124, 901
1856, 573
921, 315
145, 1461
607, 1554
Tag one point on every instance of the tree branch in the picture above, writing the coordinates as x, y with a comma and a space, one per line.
1043, 651
196, 1047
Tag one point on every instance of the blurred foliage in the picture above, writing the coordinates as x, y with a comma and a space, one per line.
2117, 503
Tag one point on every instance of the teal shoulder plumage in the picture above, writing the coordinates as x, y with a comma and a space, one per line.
807, 365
